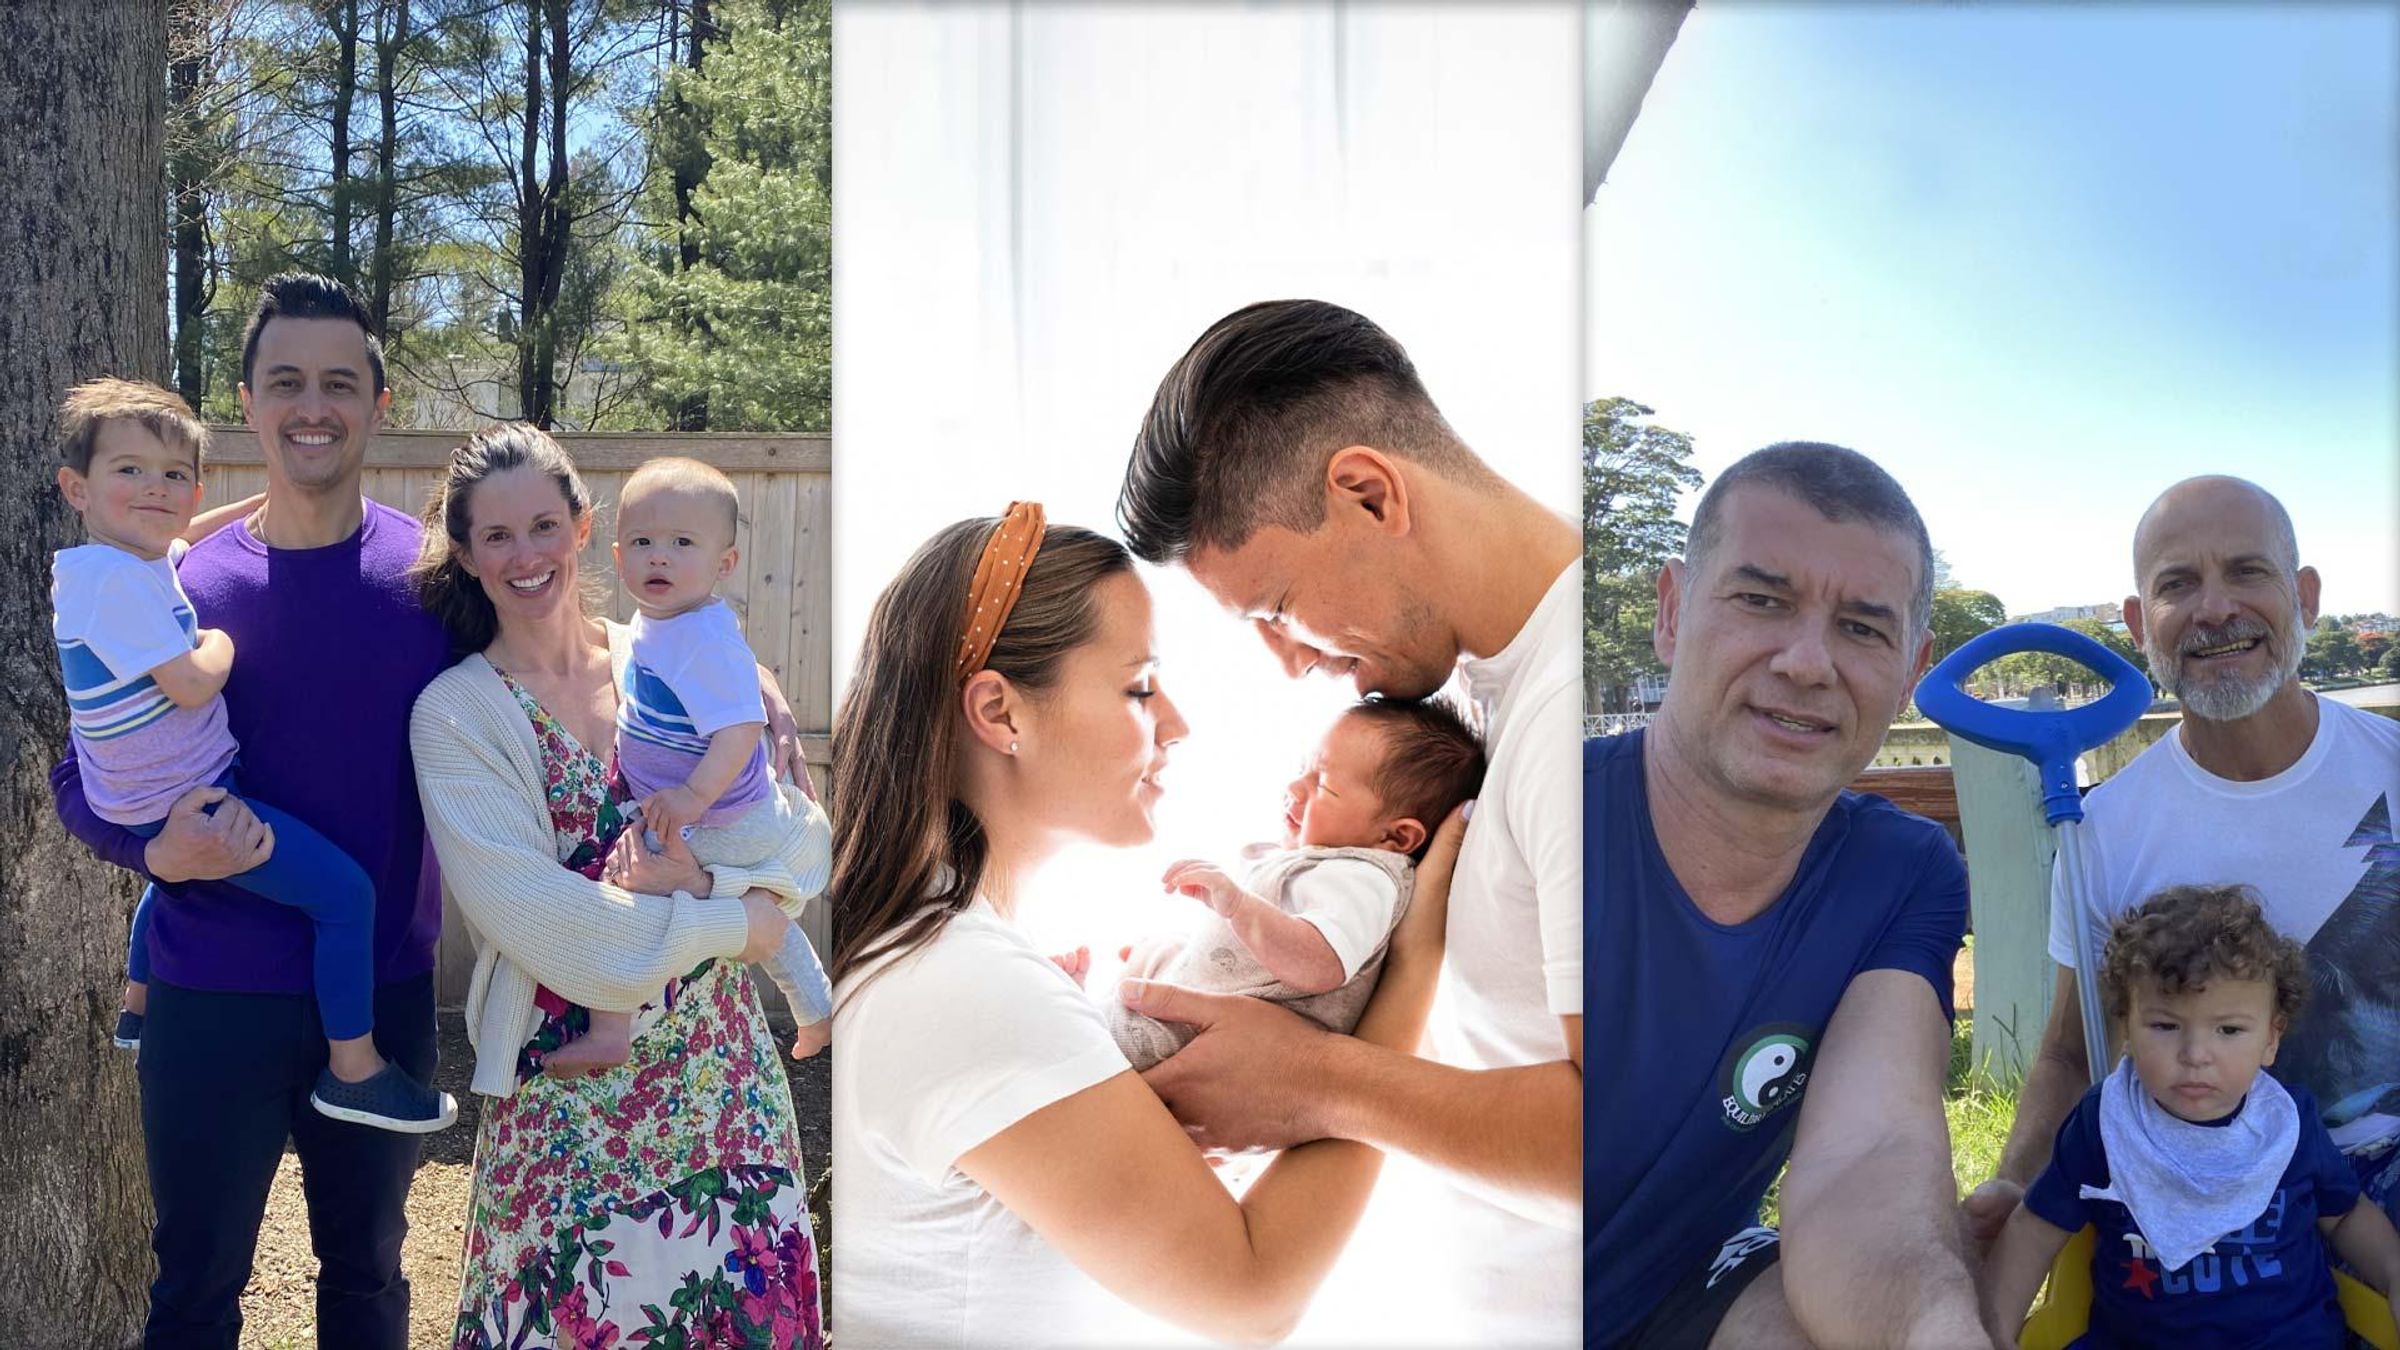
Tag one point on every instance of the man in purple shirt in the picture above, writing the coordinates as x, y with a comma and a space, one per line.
332, 652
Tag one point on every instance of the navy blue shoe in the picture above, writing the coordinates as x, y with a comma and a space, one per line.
129, 1030
391, 1100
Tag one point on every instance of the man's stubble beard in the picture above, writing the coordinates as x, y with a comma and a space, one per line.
2229, 700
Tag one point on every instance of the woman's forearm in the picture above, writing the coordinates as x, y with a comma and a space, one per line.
596, 944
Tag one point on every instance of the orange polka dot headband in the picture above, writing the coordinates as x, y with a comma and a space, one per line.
999, 580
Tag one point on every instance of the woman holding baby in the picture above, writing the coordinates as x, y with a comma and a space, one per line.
667, 1191
1003, 1175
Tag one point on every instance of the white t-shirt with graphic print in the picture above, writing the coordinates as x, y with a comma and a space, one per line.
2316, 843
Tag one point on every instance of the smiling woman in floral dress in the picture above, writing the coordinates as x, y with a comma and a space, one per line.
667, 1194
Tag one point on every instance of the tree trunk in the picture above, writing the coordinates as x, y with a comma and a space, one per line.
343, 16
391, 37
690, 169
530, 253
83, 264
187, 195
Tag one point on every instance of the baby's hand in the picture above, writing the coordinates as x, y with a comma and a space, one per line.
809, 1039
665, 814
1077, 964
1203, 881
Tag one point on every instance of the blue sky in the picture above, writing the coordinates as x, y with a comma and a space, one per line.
2039, 262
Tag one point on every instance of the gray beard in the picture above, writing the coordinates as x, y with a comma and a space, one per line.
2230, 699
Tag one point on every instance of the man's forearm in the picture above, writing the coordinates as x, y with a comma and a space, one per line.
1516, 1130
1872, 1251
114, 844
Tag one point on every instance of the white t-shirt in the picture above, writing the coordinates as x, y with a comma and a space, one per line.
705, 666
1354, 902
955, 1043
115, 618
1515, 959
2303, 840
688, 677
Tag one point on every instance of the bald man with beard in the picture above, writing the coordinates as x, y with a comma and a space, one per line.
2264, 784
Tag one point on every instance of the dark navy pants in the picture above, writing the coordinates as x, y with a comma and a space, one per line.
225, 1082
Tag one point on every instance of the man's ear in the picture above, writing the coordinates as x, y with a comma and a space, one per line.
2310, 585
1405, 835
993, 710
2135, 620
1362, 482
1670, 607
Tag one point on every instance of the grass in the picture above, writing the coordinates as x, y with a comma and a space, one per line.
1979, 1112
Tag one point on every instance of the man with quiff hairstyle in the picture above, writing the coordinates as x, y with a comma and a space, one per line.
1294, 464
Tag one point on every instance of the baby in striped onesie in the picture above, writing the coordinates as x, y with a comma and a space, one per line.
689, 720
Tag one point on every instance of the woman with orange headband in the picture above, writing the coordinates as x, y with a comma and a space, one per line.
1002, 1175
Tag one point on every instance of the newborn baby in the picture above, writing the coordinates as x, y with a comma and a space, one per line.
1307, 925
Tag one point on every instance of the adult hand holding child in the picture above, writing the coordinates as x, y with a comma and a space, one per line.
197, 844
1242, 1083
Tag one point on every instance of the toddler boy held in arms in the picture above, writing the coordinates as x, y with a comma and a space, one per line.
1307, 924
144, 687
689, 721
2213, 1188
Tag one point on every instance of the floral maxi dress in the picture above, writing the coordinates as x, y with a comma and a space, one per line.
661, 1203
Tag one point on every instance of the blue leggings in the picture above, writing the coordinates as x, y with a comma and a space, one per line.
309, 874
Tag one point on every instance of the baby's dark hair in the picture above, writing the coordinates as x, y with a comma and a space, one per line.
2185, 936
1432, 760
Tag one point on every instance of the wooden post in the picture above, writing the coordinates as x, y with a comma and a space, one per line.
2009, 848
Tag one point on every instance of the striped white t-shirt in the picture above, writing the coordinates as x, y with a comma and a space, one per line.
117, 617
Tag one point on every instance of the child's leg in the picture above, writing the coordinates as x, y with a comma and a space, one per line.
796, 970
801, 976
607, 1043
309, 874
137, 955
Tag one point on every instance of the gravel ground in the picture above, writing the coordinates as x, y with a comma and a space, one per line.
279, 1307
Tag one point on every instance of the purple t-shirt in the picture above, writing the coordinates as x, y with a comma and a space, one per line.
330, 653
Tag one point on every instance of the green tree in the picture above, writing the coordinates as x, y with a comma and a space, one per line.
2027, 670
1633, 472
729, 312
2332, 651
1960, 615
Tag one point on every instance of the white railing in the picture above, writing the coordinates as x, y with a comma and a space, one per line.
1613, 724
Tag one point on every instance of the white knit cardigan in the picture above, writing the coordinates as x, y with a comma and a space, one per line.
479, 772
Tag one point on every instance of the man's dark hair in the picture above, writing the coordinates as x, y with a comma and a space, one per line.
1242, 426
1840, 484
1432, 760
305, 295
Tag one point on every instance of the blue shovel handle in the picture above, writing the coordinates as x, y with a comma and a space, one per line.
2051, 738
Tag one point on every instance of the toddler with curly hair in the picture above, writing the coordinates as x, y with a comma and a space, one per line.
2213, 1187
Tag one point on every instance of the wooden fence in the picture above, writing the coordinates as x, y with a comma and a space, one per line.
783, 586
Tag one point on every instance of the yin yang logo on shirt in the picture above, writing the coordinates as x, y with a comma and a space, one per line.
1765, 1071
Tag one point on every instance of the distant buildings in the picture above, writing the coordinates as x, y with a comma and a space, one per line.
2110, 612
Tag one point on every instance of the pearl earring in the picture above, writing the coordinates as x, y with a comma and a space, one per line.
1012, 747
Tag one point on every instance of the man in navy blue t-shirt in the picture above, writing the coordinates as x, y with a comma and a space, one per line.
1772, 952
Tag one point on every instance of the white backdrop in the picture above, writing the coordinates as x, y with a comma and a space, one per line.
1038, 208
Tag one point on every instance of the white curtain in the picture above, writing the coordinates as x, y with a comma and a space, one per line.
1039, 207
